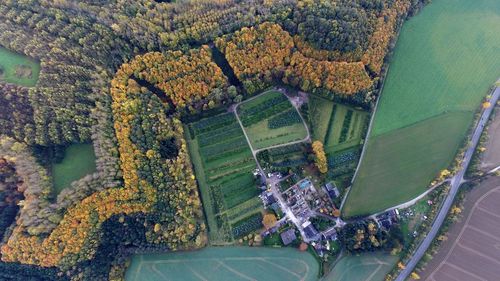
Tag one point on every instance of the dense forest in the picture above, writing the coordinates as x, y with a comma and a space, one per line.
122, 75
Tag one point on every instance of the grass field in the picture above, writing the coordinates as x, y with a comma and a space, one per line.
399, 165
9, 61
223, 165
440, 66
225, 264
258, 116
78, 161
365, 267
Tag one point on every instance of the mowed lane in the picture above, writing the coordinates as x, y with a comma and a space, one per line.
475, 254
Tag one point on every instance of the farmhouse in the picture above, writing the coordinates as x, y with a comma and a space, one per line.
386, 219
332, 190
288, 236
309, 230
330, 234
267, 198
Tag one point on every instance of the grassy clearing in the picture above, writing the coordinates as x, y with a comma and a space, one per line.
78, 161
223, 165
225, 264
399, 165
18, 69
440, 65
270, 119
363, 267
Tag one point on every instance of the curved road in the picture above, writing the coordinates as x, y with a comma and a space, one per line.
455, 183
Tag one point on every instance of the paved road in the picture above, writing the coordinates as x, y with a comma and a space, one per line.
455, 183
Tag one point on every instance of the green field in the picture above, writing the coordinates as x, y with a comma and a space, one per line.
364, 267
225, 264
78, 161
407, 159
11, 61
441, 66
259, 114
224, 168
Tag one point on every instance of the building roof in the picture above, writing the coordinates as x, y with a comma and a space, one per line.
310, 231
270, 198
330, 234
332, 190
288, 236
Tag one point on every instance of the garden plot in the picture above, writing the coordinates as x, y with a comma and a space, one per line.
284, 158
339, 127
224, 169
270, 119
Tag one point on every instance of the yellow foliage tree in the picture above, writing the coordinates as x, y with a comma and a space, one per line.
415, 276
269, 220
320, 155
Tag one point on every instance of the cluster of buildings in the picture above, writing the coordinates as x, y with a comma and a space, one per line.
298, 204
387, 219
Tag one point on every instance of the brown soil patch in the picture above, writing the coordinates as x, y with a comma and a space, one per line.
472, 251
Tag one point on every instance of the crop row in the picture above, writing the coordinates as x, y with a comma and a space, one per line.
209, 124
225, 154
282, 150
247, 225
228, 164
248, 119
237, 211
256, 109
224, 135
284, 119
344, 157
345, 126
218, 129
217, 175
290, 163
220, 148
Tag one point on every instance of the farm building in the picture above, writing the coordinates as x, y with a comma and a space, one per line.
309, 230
332, 190
288, 236
267, 198
330, 234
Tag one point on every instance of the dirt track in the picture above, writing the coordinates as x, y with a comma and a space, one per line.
472, 251
491, 158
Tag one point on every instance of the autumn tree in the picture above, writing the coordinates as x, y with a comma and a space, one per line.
269, 220
320, 156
